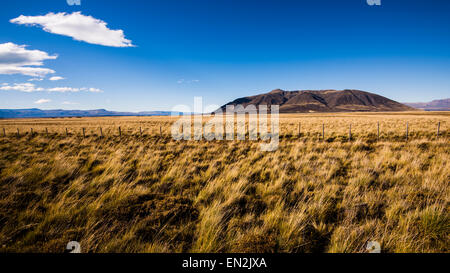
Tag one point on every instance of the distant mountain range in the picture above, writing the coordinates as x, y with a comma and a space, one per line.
307, 101
435, 105
304, 101
38, 113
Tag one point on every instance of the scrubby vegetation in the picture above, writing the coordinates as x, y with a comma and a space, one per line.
150, 193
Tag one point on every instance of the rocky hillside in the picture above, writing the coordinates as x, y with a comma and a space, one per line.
323, 101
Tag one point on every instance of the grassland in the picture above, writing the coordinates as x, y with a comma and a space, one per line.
149, 193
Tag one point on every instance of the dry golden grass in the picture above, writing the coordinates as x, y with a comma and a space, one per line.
154, 194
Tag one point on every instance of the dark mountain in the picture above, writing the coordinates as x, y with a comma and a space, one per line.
38, 113
323, 101
435, 105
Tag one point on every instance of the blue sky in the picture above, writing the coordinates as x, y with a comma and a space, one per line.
222, 50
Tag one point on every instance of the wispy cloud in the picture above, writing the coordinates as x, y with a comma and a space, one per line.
35, 79
78, 26
70, 103
21, 87
56, 78
41, 101
95, 90
16, 59
30, 87
64, 89
181, 81
72, 89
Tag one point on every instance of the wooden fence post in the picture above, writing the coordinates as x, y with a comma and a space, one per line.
101, 132
350, 132
120, 132
140, 130
18, 133
4, 132
378, 134
67, 133
323, 131
46, 131
31, 131
160, 131
407, 125
84, 133
299, 132
437, 134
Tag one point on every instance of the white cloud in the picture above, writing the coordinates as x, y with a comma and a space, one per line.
35, 79
72, 89
30, 87
22, 87
95, 90
78, 26
41, 101
187, 81
64, 89
56, 78
70, 103
16, 59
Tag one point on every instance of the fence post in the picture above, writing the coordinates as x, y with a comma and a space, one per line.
4, 132
46, 131
140, 130
437, 134
31, 131
160, 131
378, 134
407, 125
120, 132
299, 134
101, 132
323, 131
18, 133
67, 133
84, 133
350, 132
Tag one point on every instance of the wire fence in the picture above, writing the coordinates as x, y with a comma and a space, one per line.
321, 131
